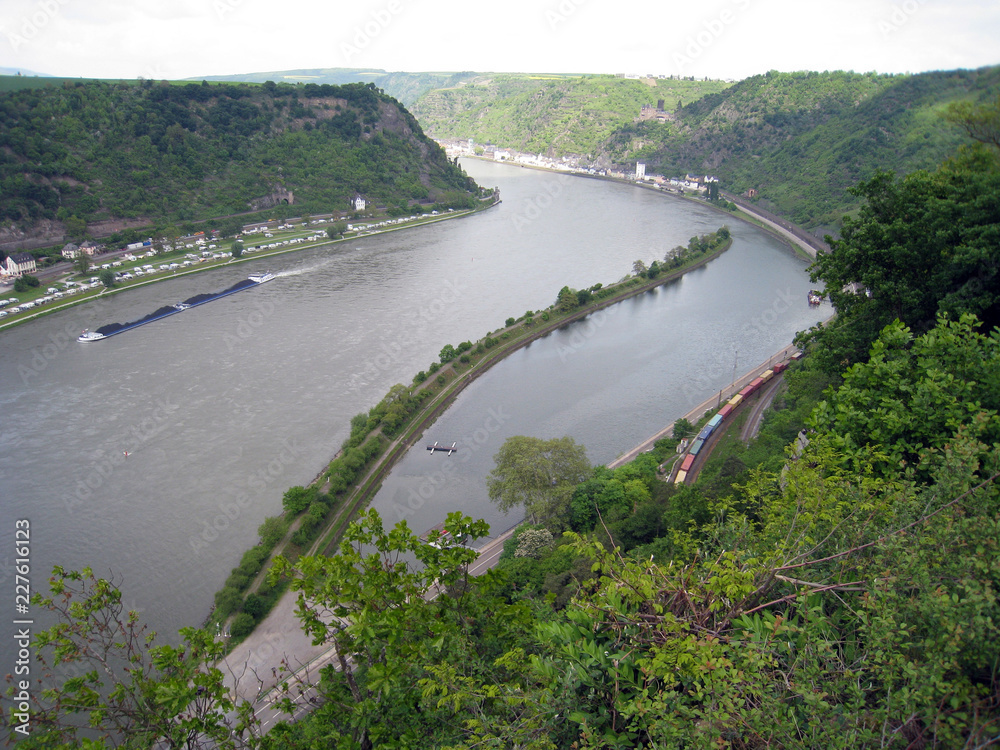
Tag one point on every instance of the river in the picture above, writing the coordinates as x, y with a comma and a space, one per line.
223, 407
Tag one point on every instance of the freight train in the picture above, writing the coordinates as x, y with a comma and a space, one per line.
723, 413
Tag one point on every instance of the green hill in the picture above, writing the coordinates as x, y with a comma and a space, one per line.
101, 151
799, 139
552, 115
802, 139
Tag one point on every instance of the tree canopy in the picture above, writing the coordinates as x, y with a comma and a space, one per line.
921, 245
539, 475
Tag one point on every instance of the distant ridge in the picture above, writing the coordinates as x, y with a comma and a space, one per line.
406, 87
22, 72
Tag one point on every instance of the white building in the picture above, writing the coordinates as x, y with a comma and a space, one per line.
17, 265
359, 202
640, 170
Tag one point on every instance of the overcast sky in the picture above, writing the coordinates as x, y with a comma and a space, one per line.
729, 39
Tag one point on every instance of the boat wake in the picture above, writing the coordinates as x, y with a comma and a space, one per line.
306, 269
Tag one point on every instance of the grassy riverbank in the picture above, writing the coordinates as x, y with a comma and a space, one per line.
380, 438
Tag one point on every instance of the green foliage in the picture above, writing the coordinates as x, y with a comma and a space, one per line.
913, 397
255, 606
539, 475
107, 277
980, 121
683, 428
297, 499
100, 150
555, 115
272, 530
803, 139
413, 661
567, 300
242, 626
25, 282
118, 688
227, 600
919, 246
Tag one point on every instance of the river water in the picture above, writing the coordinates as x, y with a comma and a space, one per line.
223, 407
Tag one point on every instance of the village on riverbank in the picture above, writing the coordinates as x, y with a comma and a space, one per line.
106, 271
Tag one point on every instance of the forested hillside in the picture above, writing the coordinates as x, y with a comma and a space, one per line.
799, 139
88, 152
551, 115
802, 139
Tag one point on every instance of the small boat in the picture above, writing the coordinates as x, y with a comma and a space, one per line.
181, 306
260, 278
815, 297
88, 335
438, 447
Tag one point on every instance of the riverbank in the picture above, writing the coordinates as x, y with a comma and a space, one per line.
790, 234
268, 651
714, 402
101, 293
433, 396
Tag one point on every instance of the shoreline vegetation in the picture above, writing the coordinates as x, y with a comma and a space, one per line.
739, 211
315, 516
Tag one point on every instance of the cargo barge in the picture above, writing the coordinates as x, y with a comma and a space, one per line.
113, 329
